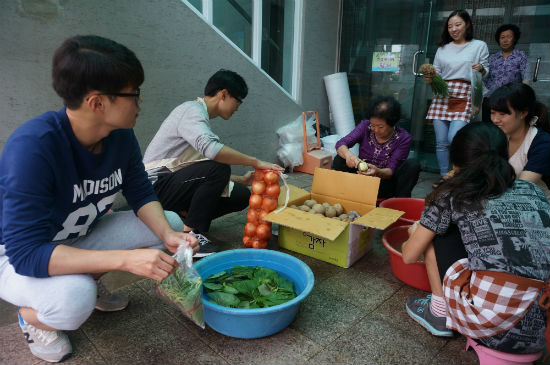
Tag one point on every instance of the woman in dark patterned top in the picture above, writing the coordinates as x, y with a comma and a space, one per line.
383, 146
484, 220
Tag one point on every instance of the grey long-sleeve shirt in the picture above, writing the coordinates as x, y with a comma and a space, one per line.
186, 127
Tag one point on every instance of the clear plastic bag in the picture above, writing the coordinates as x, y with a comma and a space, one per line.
291, 154
183, 289
477, 91
293, 132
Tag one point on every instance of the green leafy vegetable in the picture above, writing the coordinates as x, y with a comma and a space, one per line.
249, 287
183, 290
477, 93
438, 85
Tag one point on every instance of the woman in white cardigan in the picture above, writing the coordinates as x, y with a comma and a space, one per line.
458, 54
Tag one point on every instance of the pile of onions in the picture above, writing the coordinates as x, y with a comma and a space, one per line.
264, 199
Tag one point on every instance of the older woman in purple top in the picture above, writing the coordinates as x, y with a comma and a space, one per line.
384, 147
505, 66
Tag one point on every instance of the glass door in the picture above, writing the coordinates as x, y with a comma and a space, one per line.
381, 39
383, 42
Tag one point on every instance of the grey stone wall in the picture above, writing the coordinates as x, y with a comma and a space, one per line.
178, 50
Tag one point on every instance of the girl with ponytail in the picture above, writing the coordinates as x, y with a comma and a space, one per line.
515, 110
481, 227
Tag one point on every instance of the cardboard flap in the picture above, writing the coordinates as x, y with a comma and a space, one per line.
296, 195
328, 228
345, 186
379, 218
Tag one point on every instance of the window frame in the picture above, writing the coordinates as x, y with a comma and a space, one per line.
256, 59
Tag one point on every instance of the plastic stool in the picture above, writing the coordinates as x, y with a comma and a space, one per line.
488, 356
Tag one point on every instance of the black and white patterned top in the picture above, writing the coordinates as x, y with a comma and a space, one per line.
511, 234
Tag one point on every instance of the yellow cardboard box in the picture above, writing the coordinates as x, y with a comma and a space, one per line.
328, 239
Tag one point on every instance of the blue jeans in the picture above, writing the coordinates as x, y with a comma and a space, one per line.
445, 131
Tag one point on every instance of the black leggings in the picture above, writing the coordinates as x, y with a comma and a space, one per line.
197, 189
448, 249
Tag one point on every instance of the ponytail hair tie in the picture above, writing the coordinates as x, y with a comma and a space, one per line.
533, 121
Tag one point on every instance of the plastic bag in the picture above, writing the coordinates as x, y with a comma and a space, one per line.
293, 132
183, 289
291, 154
477, 91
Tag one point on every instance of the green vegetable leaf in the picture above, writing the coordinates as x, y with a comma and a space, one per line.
225, 299
249, 287
212, 286
264, 290
245, 287
227, 288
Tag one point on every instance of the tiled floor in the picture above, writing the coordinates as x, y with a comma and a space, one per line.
353, 316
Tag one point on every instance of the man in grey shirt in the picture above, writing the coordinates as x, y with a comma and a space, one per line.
190, 167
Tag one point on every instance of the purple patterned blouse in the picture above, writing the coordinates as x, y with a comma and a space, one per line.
504, 70
389, 154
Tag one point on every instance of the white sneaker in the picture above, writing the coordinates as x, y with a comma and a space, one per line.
50, 346
107, 301
205, 246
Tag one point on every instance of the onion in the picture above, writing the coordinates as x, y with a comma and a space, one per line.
255, 201
273, 190
263, 231
271, 177
247, 242
249, 229
258, 187
258, 175
269, 203
252, 216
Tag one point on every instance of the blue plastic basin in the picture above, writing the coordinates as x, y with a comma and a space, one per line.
261, 322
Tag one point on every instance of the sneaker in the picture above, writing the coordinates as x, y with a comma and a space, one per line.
205, 246
419, 310
107, 301
50, 346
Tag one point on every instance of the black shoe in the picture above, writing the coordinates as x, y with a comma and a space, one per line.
205, 246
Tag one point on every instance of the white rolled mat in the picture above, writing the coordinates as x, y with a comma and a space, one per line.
339, 99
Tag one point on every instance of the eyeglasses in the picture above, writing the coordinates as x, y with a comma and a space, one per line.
239, 101
136, 95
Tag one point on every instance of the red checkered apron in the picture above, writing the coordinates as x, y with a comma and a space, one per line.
485, 303
457, 106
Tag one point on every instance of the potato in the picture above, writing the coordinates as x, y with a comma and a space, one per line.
363, 166
339, 208
318, 208
310, 203
293, 206
305, 208
343, 216
326, 205
330, 212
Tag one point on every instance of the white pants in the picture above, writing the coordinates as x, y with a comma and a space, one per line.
64, 302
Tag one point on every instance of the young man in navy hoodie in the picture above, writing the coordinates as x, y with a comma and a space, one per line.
59, 174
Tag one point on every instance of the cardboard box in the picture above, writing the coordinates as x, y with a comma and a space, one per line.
328, 239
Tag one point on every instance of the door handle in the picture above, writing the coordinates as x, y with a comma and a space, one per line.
414, 65
536, 73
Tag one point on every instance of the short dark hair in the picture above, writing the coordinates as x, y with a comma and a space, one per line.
520, 97
228, 80
469, 35
480, 151
514, 28
386, 108
90, 62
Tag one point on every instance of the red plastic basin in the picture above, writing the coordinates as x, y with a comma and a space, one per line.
411, 274
412, 207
